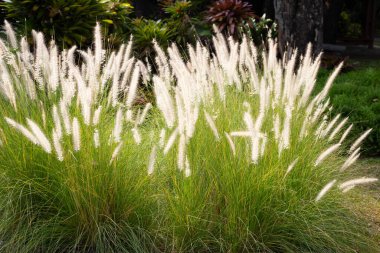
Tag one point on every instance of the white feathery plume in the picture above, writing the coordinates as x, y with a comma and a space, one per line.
57, 122
65, 117
98, 46
285, 135
164, 101
86, 112
187, 168
180, 110
10, 34
358, 181
255, 141
181, 152
319, 131
255, 149
348, 188
212, 125
338, 128
136, 135
344, 135
350, 160
231, 143
129, 116
42, 139
76, 134
162, 137
241, 134
326, 153
329, 83
171, 141
7, 86
53, 67
95, 120
330, 126
116, 152
144, 113
43, 114
325, 190
247, 106
118, 126
359, 140
152, 160
133, 86
291, 166
23, 130
57, 146
96, 138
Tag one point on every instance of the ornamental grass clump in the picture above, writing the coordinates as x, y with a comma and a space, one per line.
233, 156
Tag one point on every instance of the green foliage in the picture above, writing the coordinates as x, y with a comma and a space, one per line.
259, 30
180, 22
357, 94
118, 22
69, 22
348, 27
144, 31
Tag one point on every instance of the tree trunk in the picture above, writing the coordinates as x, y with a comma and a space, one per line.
2, 13
299, 22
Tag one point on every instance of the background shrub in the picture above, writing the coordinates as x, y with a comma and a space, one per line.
69, 22
144, 31
229, 15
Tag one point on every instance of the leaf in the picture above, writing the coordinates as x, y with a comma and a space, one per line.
108, 21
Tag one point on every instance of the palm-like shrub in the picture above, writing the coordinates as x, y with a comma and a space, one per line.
180, 22
144, 31
233, 157
229, 15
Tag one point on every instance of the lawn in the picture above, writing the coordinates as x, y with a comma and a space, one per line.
356, 93
368, 198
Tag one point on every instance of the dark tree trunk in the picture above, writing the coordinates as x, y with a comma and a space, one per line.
299, 22
2, 13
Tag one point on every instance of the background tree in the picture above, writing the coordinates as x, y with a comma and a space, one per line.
2, 12
299, 22
332, 9
146, 8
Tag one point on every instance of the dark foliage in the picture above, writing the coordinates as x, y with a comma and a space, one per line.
69, 22
228, 15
